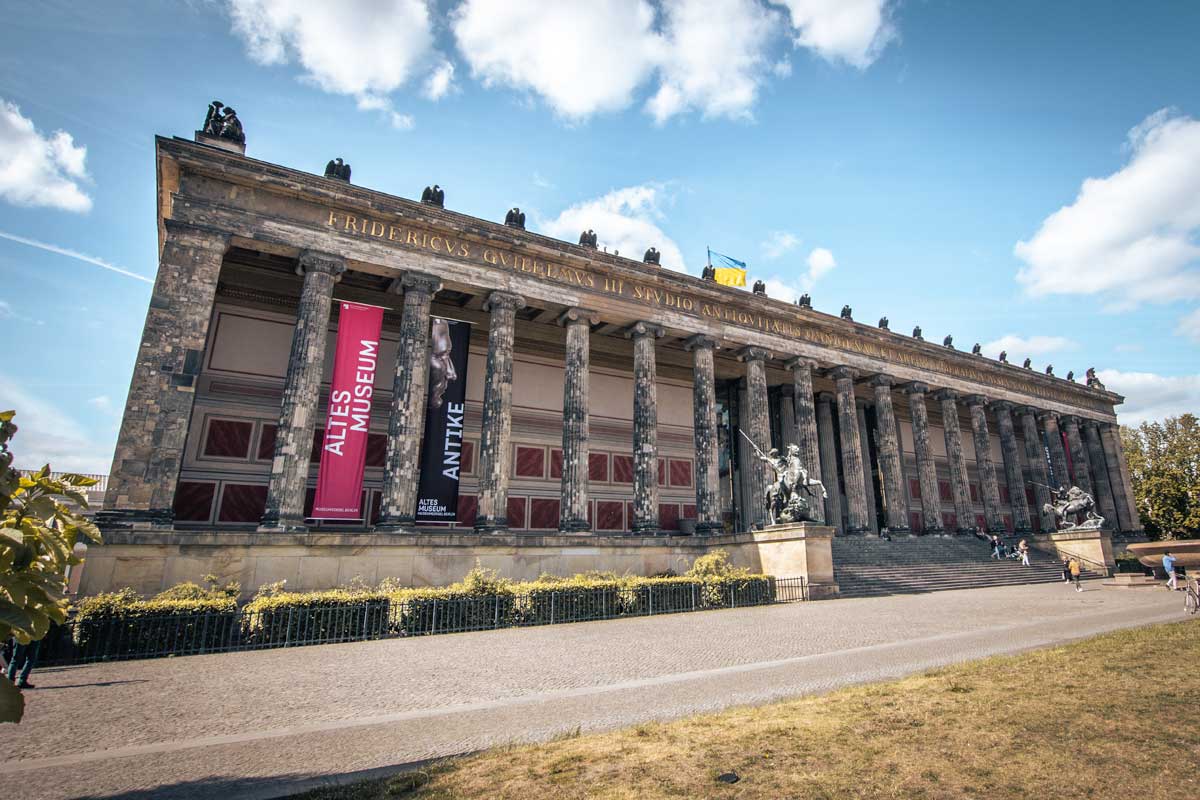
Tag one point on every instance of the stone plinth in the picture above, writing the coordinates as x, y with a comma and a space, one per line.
150, 561
1092, 545
224, 144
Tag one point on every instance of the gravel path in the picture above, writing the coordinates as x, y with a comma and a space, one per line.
267, 723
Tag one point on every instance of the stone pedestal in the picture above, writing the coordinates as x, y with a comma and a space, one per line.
1093, 546
795, 550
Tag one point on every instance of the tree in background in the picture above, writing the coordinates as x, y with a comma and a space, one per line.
40, 522
1164, 464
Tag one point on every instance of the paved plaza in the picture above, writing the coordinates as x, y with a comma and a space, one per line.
263, 724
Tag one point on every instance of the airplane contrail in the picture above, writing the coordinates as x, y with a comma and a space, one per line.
63, 251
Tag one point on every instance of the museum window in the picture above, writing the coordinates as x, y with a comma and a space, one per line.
543, 513
622, 468
915, 522
468, 506
468, 457
914, 488
242, 502
681, 473
1030, 496
944, 491
194, 501
689, 511
949, 521
228, 438
556, 459
530, 462
974, 492
1004, 494
610, 515
515, 512
668, 516
598, 467
661, 472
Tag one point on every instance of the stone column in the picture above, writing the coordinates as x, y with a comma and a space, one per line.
301, 393
984, 465
1118, 476
573, 508
645, 427
787, 416
857, 521
406, 421
807, 438
828, 454
887, 442
860, 409
758, 427
1013, 475
931, 503
1058, 456
1079, 457
154, 428
704, 418
1101, 484
495, 456
1035, 459
960, 486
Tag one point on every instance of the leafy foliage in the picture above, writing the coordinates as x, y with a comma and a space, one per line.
40, 522
1164, 465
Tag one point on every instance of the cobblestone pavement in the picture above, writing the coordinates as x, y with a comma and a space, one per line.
266, 723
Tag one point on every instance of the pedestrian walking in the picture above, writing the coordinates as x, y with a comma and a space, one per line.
1075, 570
23, 661
1023, 549
996, 545
1066, 573
1169, 568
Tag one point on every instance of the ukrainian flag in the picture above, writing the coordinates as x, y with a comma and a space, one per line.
727, 271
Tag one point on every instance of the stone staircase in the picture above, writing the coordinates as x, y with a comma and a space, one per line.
870, 567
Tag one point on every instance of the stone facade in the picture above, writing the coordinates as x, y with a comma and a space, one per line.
577, 422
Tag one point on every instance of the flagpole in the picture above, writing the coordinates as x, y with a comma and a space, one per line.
709, 255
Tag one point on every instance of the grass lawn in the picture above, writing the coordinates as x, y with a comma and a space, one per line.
1116, 716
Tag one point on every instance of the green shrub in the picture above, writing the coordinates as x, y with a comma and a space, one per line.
279, 618
121, 623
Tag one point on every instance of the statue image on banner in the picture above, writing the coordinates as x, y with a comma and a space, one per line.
441, 362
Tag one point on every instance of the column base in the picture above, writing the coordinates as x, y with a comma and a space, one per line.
135, 517
574, 526
395, 525
645, 528
709, 528
484, 526
272, 523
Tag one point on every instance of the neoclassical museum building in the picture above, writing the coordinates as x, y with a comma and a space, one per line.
610, 403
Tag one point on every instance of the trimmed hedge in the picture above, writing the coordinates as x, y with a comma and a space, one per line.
122, 624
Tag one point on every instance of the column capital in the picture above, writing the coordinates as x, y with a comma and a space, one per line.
801, 361
700, 342
1044, 416
881, 380
577, 316
914, 387
504, 300
1000, 405
945, 394
1069, 419
973, 400
1025, 410
751, 353
1090, 424
416, 282
825, 397
842, 373
313, 261
642, 328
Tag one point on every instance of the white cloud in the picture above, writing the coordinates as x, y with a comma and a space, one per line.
40, 170
624, 220
75, 254
440, 82
541, 182
45, 434
1189, 326
851, 31
1018, 347
1130, 237
375, 102
581, 58
714, 57
1151, 397
820, 261
778, 243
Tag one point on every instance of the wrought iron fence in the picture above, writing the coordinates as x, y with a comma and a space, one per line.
118, 637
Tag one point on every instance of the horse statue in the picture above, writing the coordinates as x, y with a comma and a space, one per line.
1067, 504
790, 496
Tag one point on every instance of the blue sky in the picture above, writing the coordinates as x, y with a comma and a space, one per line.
1024, 175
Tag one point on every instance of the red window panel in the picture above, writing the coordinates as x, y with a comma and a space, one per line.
610, 515
242, 502
1030, 496
629, 514
468, 457
193, 501
515, 512
662, 472
980, 522
1008, 523
555, 463
1004, 496
949, 521
944, 491
543, 513
914, 488
318, 442
598, 467
974, 492
681, 472
376, 449
468, 506
228, 438
668, 516
689, 511
622, 467
590, 514
916, 522
531, 462
266, 443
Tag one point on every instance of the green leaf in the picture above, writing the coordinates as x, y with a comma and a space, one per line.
12, 702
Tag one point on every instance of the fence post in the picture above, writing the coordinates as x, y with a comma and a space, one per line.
732, 597
552, 596
433, 626
651, 593
496, 612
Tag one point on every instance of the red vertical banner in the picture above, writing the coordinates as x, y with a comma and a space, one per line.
344, 449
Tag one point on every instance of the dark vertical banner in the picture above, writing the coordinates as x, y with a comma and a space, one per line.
445, 404
344, 448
